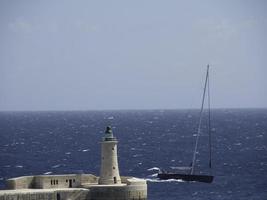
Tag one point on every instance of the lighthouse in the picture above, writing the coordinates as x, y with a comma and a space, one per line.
109, 173
81, 186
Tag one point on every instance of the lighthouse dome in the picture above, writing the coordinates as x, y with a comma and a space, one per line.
109, 134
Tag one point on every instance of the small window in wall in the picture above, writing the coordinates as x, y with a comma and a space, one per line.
54, 182
113, 148
115, 179
73, 180
113, 167
57, 182
51, 182
66, 180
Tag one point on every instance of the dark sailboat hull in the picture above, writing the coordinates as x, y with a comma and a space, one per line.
186, 177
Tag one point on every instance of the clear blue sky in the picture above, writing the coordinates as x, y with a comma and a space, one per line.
87, 55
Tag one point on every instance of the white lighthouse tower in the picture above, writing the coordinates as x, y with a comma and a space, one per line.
109, 173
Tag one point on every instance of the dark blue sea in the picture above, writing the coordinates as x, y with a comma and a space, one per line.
68, 142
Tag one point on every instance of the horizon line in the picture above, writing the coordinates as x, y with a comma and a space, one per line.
132, 109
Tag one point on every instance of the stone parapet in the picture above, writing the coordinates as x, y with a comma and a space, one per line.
130, 189
51, 181
22, 182
45, 194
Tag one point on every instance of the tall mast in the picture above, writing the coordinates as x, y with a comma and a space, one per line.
209, 131
199, 122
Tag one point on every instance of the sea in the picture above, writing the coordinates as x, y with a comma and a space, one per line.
68, 142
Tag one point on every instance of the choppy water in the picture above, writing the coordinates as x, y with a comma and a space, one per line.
67, 142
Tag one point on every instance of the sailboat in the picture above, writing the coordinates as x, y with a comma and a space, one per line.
188, 173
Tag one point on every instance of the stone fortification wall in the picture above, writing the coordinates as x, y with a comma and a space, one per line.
87, 188
51, 181
20, 182
130, 189
89, 179
75, 194
57, 181
45, 194
28, 196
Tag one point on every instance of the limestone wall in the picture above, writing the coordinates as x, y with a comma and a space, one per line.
20, 182
46, 194
119, 193
77, 194
57, 181
29, 196
51, 181
86, 188
132, 189
89, 179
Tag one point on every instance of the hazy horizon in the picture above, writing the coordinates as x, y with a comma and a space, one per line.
124, 55
134, 109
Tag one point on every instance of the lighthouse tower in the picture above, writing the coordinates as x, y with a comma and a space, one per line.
109, 173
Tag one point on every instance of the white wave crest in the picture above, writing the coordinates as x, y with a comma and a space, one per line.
153, 175
163, 181
153, 168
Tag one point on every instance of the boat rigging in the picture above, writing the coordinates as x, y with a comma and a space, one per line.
190, 174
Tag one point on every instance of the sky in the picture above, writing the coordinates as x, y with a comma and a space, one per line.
149, 54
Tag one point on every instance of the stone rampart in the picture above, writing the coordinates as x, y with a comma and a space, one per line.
130, 189
86, 187
22, 182
45, 194
51, 181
